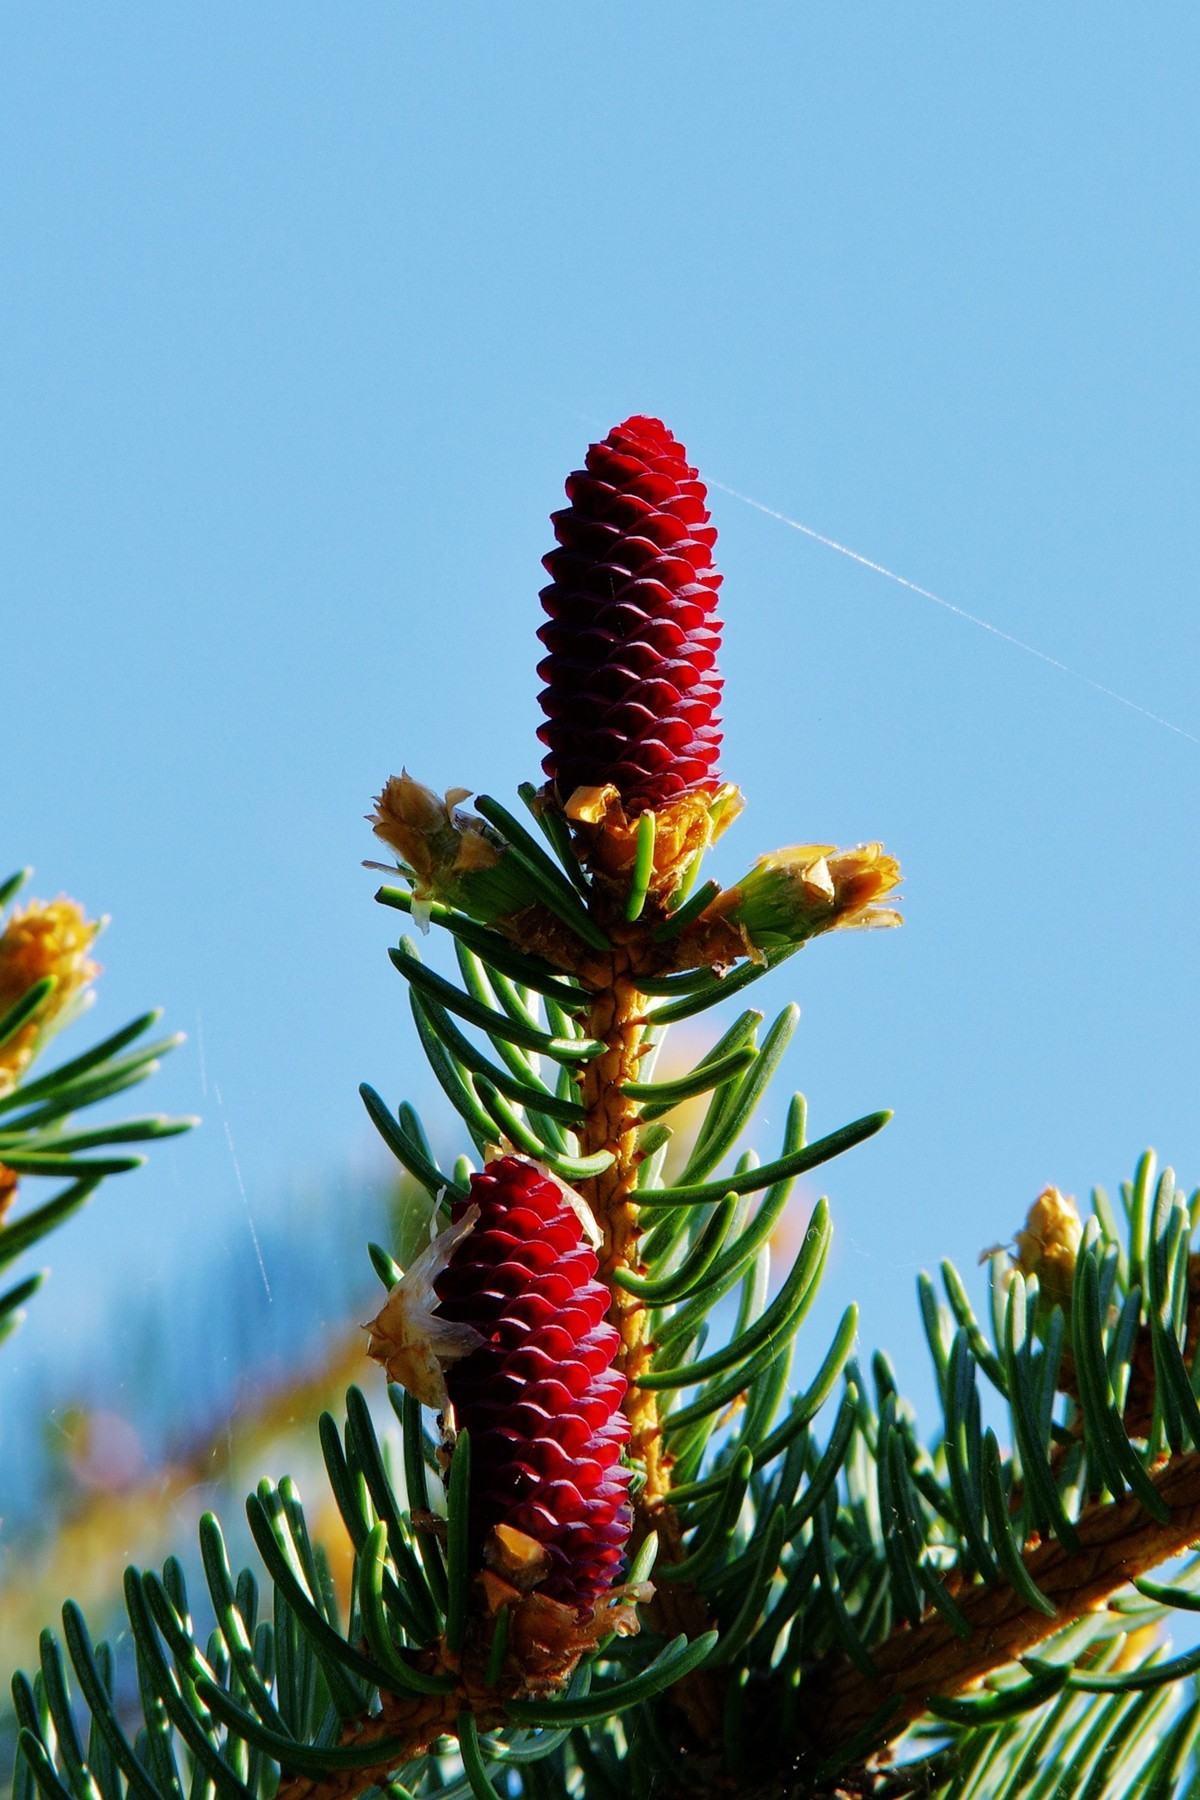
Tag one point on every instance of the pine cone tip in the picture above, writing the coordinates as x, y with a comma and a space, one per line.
632, 635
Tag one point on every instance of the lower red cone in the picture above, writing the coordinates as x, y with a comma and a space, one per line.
539, 1397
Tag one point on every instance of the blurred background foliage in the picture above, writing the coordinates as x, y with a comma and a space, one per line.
105, 1457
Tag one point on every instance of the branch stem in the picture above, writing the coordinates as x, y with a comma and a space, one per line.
616, 1019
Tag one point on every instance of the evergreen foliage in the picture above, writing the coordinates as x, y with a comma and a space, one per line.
42, 990
820, 1598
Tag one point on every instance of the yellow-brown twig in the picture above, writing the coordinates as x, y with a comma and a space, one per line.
616, 1018
611, 1123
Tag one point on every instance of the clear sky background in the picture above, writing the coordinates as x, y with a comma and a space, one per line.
307, 311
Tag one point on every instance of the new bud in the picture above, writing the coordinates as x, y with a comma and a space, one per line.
795, 894
43, 939
1048, 1246
448, 854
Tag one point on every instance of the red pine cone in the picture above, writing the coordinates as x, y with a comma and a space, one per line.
539, 1398
631, 683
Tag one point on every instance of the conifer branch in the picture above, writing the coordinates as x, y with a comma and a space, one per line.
1118, 1543
606, 1358
45, 972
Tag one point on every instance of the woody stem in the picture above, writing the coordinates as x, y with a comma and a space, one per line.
615, 1018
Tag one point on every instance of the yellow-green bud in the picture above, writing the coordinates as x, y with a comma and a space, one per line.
794, 894
448, 854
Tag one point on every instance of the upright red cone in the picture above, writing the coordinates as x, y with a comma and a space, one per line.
631, 683
538, 1393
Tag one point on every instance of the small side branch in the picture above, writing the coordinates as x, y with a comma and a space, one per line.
1118, 1542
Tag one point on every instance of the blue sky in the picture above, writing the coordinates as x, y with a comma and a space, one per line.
308, 311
